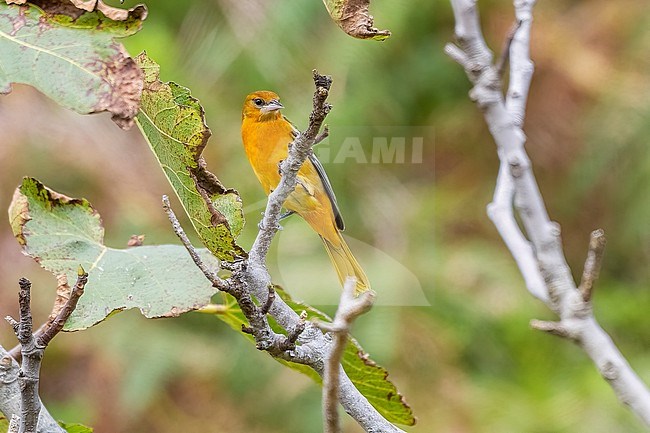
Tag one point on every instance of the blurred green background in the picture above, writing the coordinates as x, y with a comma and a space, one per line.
467, 361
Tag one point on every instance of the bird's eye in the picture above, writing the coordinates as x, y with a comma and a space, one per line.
259, 102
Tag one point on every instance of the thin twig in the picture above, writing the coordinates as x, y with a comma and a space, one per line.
30, 404
505, 52
322, 136
592, 263
269, 301
292, 335
46, 334
178, 229
265, 337
349, 309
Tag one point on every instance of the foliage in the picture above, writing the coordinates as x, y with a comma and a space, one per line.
71, 57
167, 111
61, 233
173, 123
491, 372
353, 18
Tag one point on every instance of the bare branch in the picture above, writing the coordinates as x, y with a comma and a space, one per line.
322, 136
593, 263
23, 381
178, 229
292, 335
45, 334
505, 52
14, 424
30, 404
265, 338
269, 301
501, 213
250, 281
521, 67
304, 342
540, 258
554, 328
10, 395
24, 332
349, 309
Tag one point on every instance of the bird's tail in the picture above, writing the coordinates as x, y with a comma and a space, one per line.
345, 263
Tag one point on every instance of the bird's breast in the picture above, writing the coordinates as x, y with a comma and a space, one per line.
266, 144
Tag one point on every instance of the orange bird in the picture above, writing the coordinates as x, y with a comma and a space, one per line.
266, 134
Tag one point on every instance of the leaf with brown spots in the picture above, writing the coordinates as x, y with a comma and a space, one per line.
71, 56
353, 18
61, 233
173, 123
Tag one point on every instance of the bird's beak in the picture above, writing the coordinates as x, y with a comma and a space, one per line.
273, 105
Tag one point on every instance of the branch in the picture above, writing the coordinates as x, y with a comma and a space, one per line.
14, 424
30, 404
540, 258
349, 309
266, 339
315, 346
521, 67
45, 334
24, 381
304, 342
592, 264
299, 150
178, 229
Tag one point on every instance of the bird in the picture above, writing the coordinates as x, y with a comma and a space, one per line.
266, 135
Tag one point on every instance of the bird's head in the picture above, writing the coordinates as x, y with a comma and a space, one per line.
262, 105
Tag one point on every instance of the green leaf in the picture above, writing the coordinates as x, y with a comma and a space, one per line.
75, 428
70, 56
61, 233
4, 424
173, 123
369, 378
353, 18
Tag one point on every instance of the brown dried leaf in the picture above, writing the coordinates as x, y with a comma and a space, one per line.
353, 17
75, 8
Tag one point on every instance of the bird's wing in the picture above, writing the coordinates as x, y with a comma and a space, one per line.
324, 180
328, 190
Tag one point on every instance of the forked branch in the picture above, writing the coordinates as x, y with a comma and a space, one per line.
538, 252
251, 285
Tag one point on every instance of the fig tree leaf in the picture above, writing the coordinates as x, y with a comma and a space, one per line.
67, 7
353, 17
368, 377
173, 123
71, 56
61, 233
